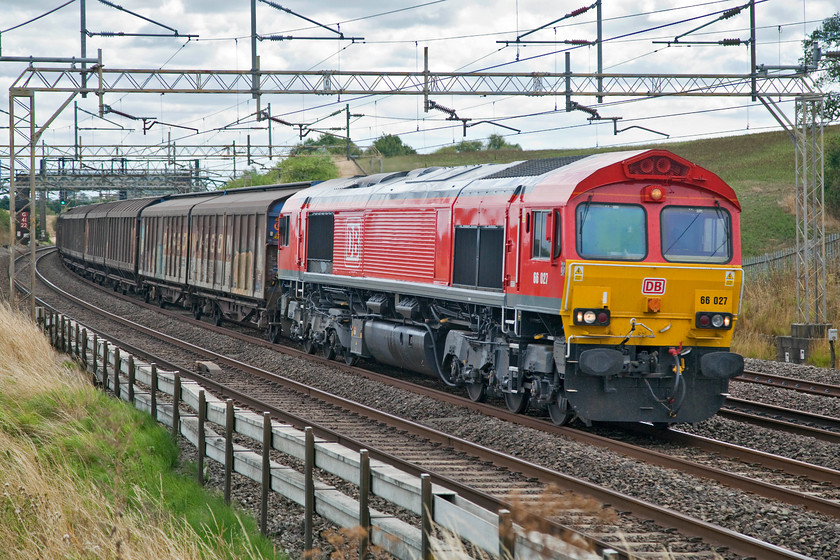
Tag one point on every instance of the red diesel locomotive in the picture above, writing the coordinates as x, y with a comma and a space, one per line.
603, 287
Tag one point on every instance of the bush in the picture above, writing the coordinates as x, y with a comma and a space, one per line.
307, 168
251, 178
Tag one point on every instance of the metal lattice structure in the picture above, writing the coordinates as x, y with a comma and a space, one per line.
22, 137
810, 210
327, 82
807, 136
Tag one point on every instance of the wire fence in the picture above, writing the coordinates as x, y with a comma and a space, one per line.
785, 259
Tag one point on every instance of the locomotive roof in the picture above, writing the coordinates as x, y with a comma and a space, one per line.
554, 179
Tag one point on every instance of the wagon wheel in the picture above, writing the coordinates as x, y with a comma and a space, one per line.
350, 359
560, 411
328, 347
274, 332
517, 402
147, 296
159, 300
196, 311
477, 392
217, 316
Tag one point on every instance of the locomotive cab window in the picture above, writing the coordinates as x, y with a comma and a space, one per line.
696, 234
281, 231
540, 235
611, 231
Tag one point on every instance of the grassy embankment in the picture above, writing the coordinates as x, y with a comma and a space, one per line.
85, 476
760, 168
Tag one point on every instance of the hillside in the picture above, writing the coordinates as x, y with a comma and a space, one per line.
760, 167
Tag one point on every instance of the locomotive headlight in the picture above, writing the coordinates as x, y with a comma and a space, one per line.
599, 317
712, 320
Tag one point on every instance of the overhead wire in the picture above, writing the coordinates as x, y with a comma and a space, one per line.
37, 17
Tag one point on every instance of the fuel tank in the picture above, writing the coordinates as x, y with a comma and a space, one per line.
401, 346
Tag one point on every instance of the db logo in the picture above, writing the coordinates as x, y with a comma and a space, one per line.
354, 242
653, 286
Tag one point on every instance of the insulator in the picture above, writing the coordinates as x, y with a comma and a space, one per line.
578, 42
730, 42
579, 11
733, 12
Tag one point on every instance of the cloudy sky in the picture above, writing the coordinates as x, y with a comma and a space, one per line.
461, 35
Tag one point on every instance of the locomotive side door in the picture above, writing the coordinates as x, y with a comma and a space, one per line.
540, 254
514, 226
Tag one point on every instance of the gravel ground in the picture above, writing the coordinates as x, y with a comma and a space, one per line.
813, 535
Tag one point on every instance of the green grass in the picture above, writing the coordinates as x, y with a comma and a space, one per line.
759, 167
128, 458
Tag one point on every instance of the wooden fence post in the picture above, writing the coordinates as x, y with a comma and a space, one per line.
309, 490
229, 419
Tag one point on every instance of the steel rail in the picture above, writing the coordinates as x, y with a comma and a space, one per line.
786, 465
769, 416
741, 544
782, 382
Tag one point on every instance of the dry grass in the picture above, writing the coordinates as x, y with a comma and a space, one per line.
50, 509
769, 309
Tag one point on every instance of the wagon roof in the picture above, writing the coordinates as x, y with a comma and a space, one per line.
176, 206
132, 207
76, 213
245, 202
101, 210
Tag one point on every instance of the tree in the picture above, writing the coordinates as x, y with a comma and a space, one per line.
497, 142
307, 168
832, 175
827, 37
390, 145
325, 144
469, 146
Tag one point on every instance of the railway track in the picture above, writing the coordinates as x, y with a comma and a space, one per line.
783, 382
424, 458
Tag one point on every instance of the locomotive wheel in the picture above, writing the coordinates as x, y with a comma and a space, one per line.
560, 411
477, 392
274, 333
517, 402
328, 347
308, 343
